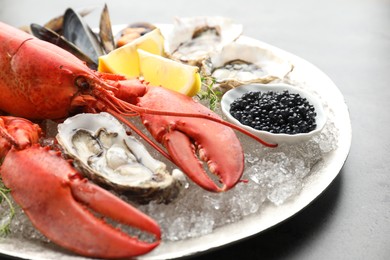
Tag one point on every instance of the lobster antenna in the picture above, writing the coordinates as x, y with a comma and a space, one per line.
129, 110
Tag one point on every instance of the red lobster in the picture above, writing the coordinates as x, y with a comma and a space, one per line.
39, 80
55, 197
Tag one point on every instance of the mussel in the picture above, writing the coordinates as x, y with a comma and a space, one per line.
105, 31
51, 36
73, 34
56, 24
76, 30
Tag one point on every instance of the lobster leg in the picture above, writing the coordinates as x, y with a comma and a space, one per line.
18, 132
56, 199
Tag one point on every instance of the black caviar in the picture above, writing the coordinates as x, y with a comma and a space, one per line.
275, 112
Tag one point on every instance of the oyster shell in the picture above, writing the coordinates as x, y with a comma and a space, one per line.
244, 62
103, 151
194, 38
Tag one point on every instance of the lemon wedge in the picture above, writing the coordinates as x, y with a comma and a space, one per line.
160, 71
125, 61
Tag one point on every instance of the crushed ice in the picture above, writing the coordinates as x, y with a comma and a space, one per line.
272, 175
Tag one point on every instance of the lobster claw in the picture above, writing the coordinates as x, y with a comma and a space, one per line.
191, 141
55, 198
189, 155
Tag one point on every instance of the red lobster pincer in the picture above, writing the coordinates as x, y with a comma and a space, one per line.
56, 198
39, 80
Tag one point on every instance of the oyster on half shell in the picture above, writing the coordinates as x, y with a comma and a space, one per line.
103, 151
193, 38
244, 62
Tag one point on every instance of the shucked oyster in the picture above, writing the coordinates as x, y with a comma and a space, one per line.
244, 62
194, 38
106, 154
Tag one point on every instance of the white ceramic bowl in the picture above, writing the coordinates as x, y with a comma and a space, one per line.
278, 138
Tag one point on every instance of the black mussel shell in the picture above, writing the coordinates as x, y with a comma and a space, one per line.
80, 34
51, 36
56, 23
105, 31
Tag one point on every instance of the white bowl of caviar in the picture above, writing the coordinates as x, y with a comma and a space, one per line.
277, 113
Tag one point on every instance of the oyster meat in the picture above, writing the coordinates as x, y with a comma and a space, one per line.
103, 151
244, 62
193, 38
132, 32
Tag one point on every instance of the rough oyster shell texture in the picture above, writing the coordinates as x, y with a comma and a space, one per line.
217, 46
243, 62
103, 151
192, 39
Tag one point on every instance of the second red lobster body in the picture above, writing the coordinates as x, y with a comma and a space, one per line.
57, 199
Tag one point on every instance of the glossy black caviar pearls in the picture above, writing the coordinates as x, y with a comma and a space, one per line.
275, 112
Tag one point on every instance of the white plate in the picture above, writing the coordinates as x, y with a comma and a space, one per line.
305, 73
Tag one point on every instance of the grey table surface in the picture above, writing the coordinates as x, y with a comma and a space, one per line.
349, 40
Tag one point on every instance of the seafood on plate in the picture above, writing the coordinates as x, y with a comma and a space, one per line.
78, 88
192, 39
244, 62
42, 81
102, 149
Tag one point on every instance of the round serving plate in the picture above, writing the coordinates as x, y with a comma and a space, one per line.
305, 73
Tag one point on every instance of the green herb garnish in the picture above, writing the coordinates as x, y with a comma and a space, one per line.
6, 219
214, 96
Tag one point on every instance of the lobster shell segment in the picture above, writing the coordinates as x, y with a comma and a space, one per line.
18, 132
56, 199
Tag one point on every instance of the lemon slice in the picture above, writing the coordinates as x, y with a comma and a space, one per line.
160, 71
125, 61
